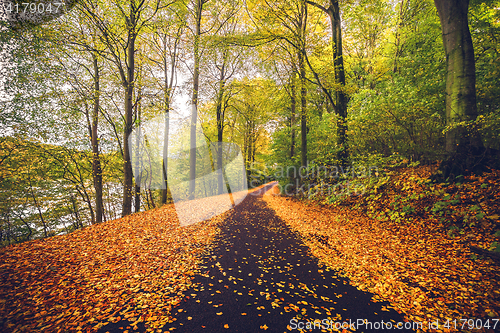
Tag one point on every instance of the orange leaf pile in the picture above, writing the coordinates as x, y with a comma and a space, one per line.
424, 274
135, 268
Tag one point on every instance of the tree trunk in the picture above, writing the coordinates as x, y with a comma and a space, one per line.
194, 102
150, 193
341, 97
129, 93
127, 166
460, 75
220, 130
164, 191
463, 144
38, 207
96, 161
249, 148
85, 197
137, 200
293, 102
303, 90
74, 204
397, 37
168, 86
138, 176
303, 110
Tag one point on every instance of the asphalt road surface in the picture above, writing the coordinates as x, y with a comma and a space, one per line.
261, 278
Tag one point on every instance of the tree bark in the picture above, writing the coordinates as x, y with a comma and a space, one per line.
194, 101
150, 193
38, 208
168, 87
129, 93
341, 98
137, 199
121, 51
293, 102
303, 90
220, 128
138, 175
303, 111
96, 161
460, 75
164, 191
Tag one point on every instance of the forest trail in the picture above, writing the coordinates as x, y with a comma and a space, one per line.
270, 264
261, 277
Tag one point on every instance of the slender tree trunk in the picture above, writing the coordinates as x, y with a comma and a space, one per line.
194, 102
74, 203
293, 102
96, 161
147, 201
168, 86
38, 208
85, 197
397, 42
137, 199
302, 25
129, 93
138, 176
127, 166
27, 226
164, 191
249, 150
150, 193
303, 110
341, 97
220, 130
254, 148
460, 75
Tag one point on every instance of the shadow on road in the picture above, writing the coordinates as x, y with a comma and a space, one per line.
261, 277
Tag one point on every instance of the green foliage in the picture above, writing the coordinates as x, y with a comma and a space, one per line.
495, 246
402, 111
28, 79
322, 140
443, 207
45, 189
484, 21
489, 127
452, 230
395, 71
398, 117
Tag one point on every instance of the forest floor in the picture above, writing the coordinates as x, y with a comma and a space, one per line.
268, 265
418, 259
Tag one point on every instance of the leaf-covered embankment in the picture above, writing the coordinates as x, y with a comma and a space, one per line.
135, 268
425, 274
